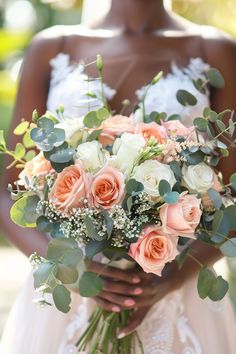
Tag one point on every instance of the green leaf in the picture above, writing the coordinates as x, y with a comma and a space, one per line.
230, 213
60, 249
219, 289
62, 155
61, 298
206, 112
233, 181
37, 135
94, 247
23, 211
220, 125
215, 198
60, 135
102, 114
90, 284
164, 187
91, 229
218, 217
44, 273
205, 283
21, 128
215, 78
200, 124
231, 127
171, 197
133, 186
19, 152
175, 167
186, 98
27, 141
2, 139
43, 224
30, 155
66, 274
109, 223
94, 135
228, 248
182, 257
91, 120
46, 124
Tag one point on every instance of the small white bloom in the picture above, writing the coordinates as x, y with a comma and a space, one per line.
71, 126
92, 155
127, 148
198, 178
138, 116
150, 173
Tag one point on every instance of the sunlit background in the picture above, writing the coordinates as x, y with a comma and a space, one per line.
19, 21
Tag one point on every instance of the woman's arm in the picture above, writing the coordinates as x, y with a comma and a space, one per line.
32, 94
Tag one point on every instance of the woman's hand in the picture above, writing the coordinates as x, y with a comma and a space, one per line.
131, 289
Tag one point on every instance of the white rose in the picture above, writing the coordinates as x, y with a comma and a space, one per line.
92, 155
126, 148
198, 178
71, 126
150, 173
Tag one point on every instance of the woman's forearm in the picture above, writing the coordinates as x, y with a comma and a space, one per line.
27, 240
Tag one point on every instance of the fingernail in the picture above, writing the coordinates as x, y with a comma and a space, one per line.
115, 309
129, 302
120, 335
136, 280
138, 291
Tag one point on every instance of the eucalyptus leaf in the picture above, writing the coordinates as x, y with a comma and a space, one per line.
43, 224
91, 229
66, 274
220, 125
58, 248
231, 127
102, 114
215, 78
219, 289
23, 211
91, 120
21, 128
44, 273
164, 187
46, 124
19, 152
94, 247
215, 198
171, 197
206, 279
61, 298
174, 117
90, 284
27, 141
38, 135
182, 257
62, 155
176, 168
186, 98
200, 124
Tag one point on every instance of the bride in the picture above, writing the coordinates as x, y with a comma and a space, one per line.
137, 38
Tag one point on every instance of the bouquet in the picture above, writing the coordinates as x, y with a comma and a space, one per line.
141, 188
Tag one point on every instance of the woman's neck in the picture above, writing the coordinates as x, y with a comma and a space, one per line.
137, 15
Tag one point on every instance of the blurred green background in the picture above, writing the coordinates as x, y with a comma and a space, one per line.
21, 19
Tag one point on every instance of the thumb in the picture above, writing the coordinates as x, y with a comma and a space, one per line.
134, 322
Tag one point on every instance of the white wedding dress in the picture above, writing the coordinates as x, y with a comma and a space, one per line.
181, 323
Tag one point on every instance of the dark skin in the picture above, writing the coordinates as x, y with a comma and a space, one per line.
135, 48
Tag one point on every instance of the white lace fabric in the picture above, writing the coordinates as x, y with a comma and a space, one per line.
181, 323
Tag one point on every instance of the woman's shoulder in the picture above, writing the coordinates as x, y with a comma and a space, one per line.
219, 46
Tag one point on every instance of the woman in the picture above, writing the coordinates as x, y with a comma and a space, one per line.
137, 39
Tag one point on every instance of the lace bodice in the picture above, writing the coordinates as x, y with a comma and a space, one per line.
69, 87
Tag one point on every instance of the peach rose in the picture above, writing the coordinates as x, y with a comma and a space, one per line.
70, 188
106, 139
154, 249
183, 217
118, 124
107, 188
175, 127
148, 130
38, 166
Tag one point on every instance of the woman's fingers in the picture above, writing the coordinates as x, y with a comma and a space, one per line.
106, 305
126, 302
128, 276
119, 287
134, 322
